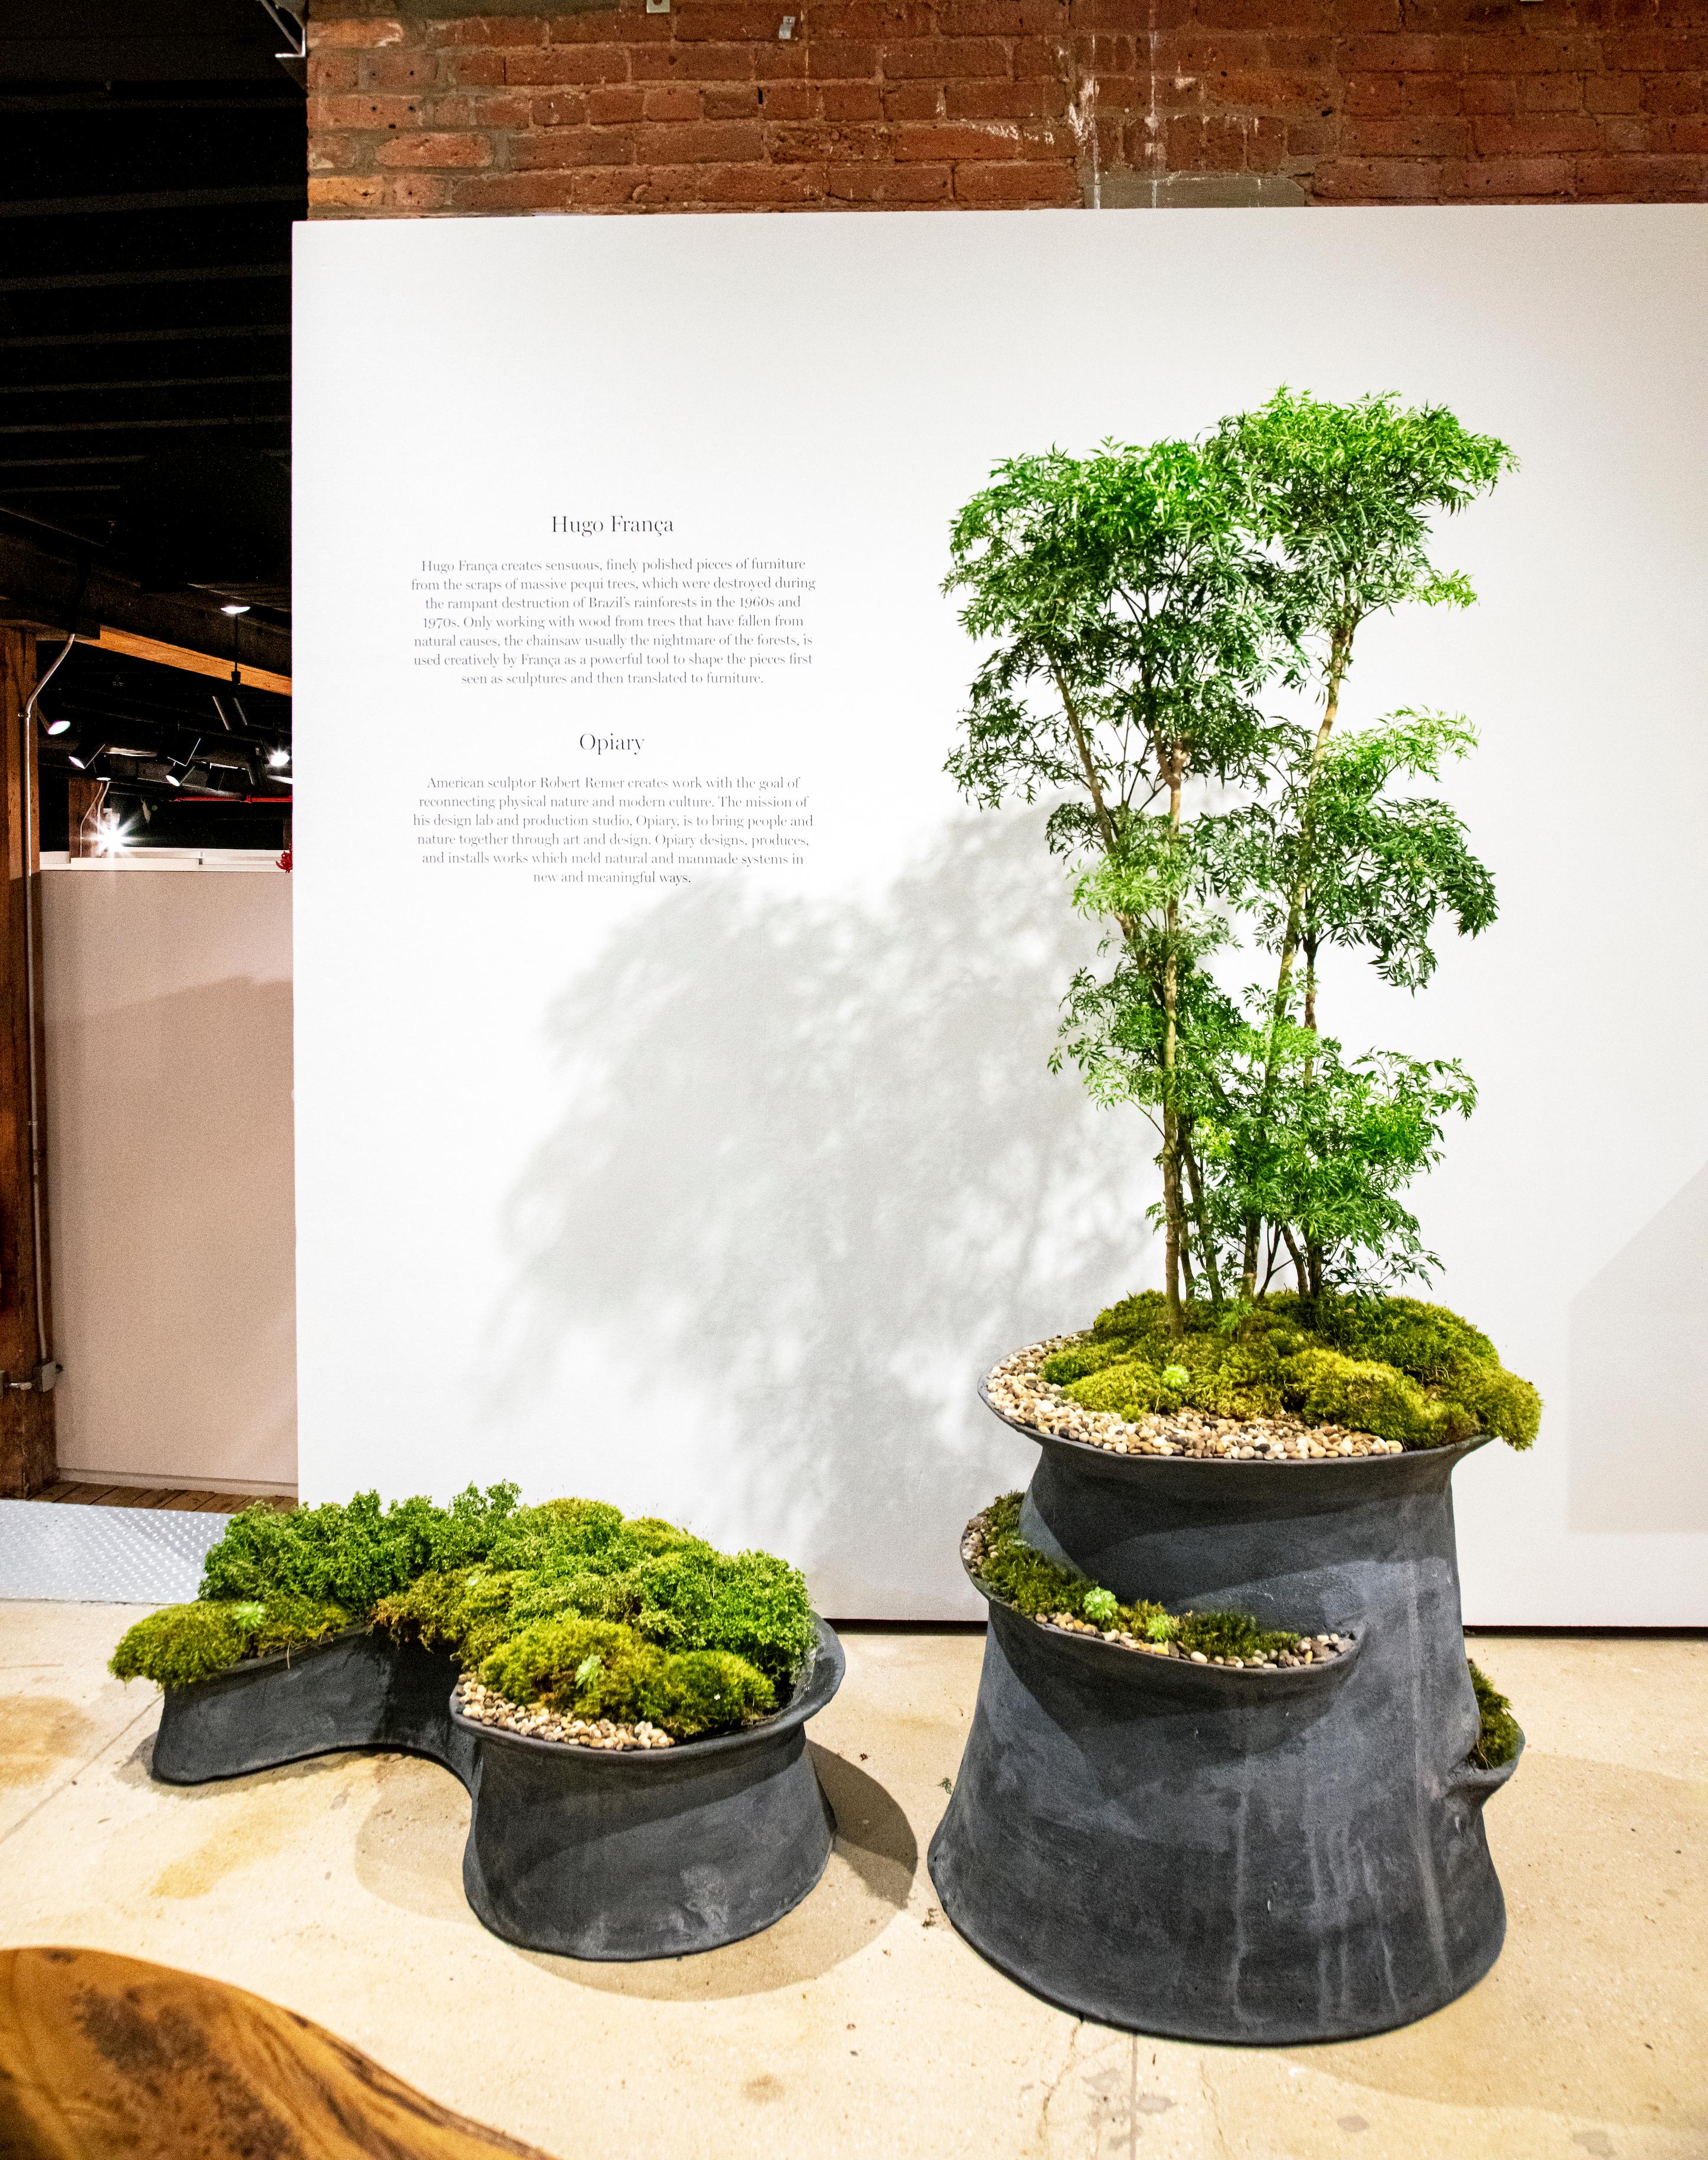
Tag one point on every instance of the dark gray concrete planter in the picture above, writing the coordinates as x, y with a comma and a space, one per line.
1230, 1855
645, 1853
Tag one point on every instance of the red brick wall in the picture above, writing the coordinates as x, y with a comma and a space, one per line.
999, 103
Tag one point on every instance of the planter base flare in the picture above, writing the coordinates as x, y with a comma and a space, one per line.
607, 1855
1213, 1853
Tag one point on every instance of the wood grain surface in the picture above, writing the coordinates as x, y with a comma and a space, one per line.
106, 2057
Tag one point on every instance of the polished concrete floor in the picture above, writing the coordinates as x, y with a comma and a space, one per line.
862, 2024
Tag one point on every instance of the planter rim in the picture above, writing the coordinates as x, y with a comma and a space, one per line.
299, 1655
1258, 1683
1469, 1779
1368, 1464
818, 1684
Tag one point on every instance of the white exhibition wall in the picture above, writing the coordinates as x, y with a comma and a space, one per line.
168, 1018
713, 1189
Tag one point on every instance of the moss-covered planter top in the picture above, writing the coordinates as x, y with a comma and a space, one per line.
1291, 1380
603, 1630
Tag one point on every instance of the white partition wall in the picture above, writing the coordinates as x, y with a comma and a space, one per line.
674, 1117
169, 1098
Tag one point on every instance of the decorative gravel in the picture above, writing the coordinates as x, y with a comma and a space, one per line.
1019, 1390
1312, 1650
487, 1707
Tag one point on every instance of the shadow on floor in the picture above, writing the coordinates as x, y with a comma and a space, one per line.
1588, 2048
871, 1872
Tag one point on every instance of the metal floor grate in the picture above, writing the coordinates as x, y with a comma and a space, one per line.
103, 1556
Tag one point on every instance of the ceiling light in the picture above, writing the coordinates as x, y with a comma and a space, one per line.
78, 762
171, 778
278, 759
230, 608
59, 727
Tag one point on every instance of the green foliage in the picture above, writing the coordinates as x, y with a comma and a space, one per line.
468, 1611
649, 1610
1368, 1397
1395, 1367
584, 1668
1427, 1341
1227, 1635
1083, 1357
352, 1553
1498, 1735
706, 1690
182, 1644
1502, 1404
1346, 494
1136, 606
749, 1604
1021, 1576
598, 1668
1121, 586
1224, 1380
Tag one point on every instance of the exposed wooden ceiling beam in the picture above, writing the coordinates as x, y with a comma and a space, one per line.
233, 672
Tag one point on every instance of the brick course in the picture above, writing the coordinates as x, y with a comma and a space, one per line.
938, 104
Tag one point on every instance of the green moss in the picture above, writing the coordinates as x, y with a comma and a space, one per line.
1131, 1388
183, 1644
1327, 1388
352, 1553
583, 1667
1224, 1380
1021, 1576
286, 1623
1227, 1635
468, 1612
1426, 1340
555, 1533
597, 1669
1396, 1367
706, 1690
1497, 1734
1082, 1358
1501, 1403
703, 1637
749, 1604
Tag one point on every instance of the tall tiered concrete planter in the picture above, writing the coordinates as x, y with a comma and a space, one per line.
1219, 1854
636, 1853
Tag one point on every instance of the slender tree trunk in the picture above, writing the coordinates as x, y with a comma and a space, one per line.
1206, 1246
1300, 1270
1087, 764
1311, 1272
1340, 653
1174, 1213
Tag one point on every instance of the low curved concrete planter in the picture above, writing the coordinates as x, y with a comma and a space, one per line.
1232, 1854
640, 1853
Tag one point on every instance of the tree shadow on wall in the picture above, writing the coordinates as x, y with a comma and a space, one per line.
816, 1175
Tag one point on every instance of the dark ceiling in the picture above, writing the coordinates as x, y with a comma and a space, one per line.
154, 167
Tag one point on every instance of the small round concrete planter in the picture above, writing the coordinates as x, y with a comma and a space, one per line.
1220, 1854
637, 1853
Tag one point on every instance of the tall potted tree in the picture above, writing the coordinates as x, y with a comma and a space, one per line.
1226, 1772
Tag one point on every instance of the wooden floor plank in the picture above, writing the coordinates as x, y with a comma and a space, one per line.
179, 1499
